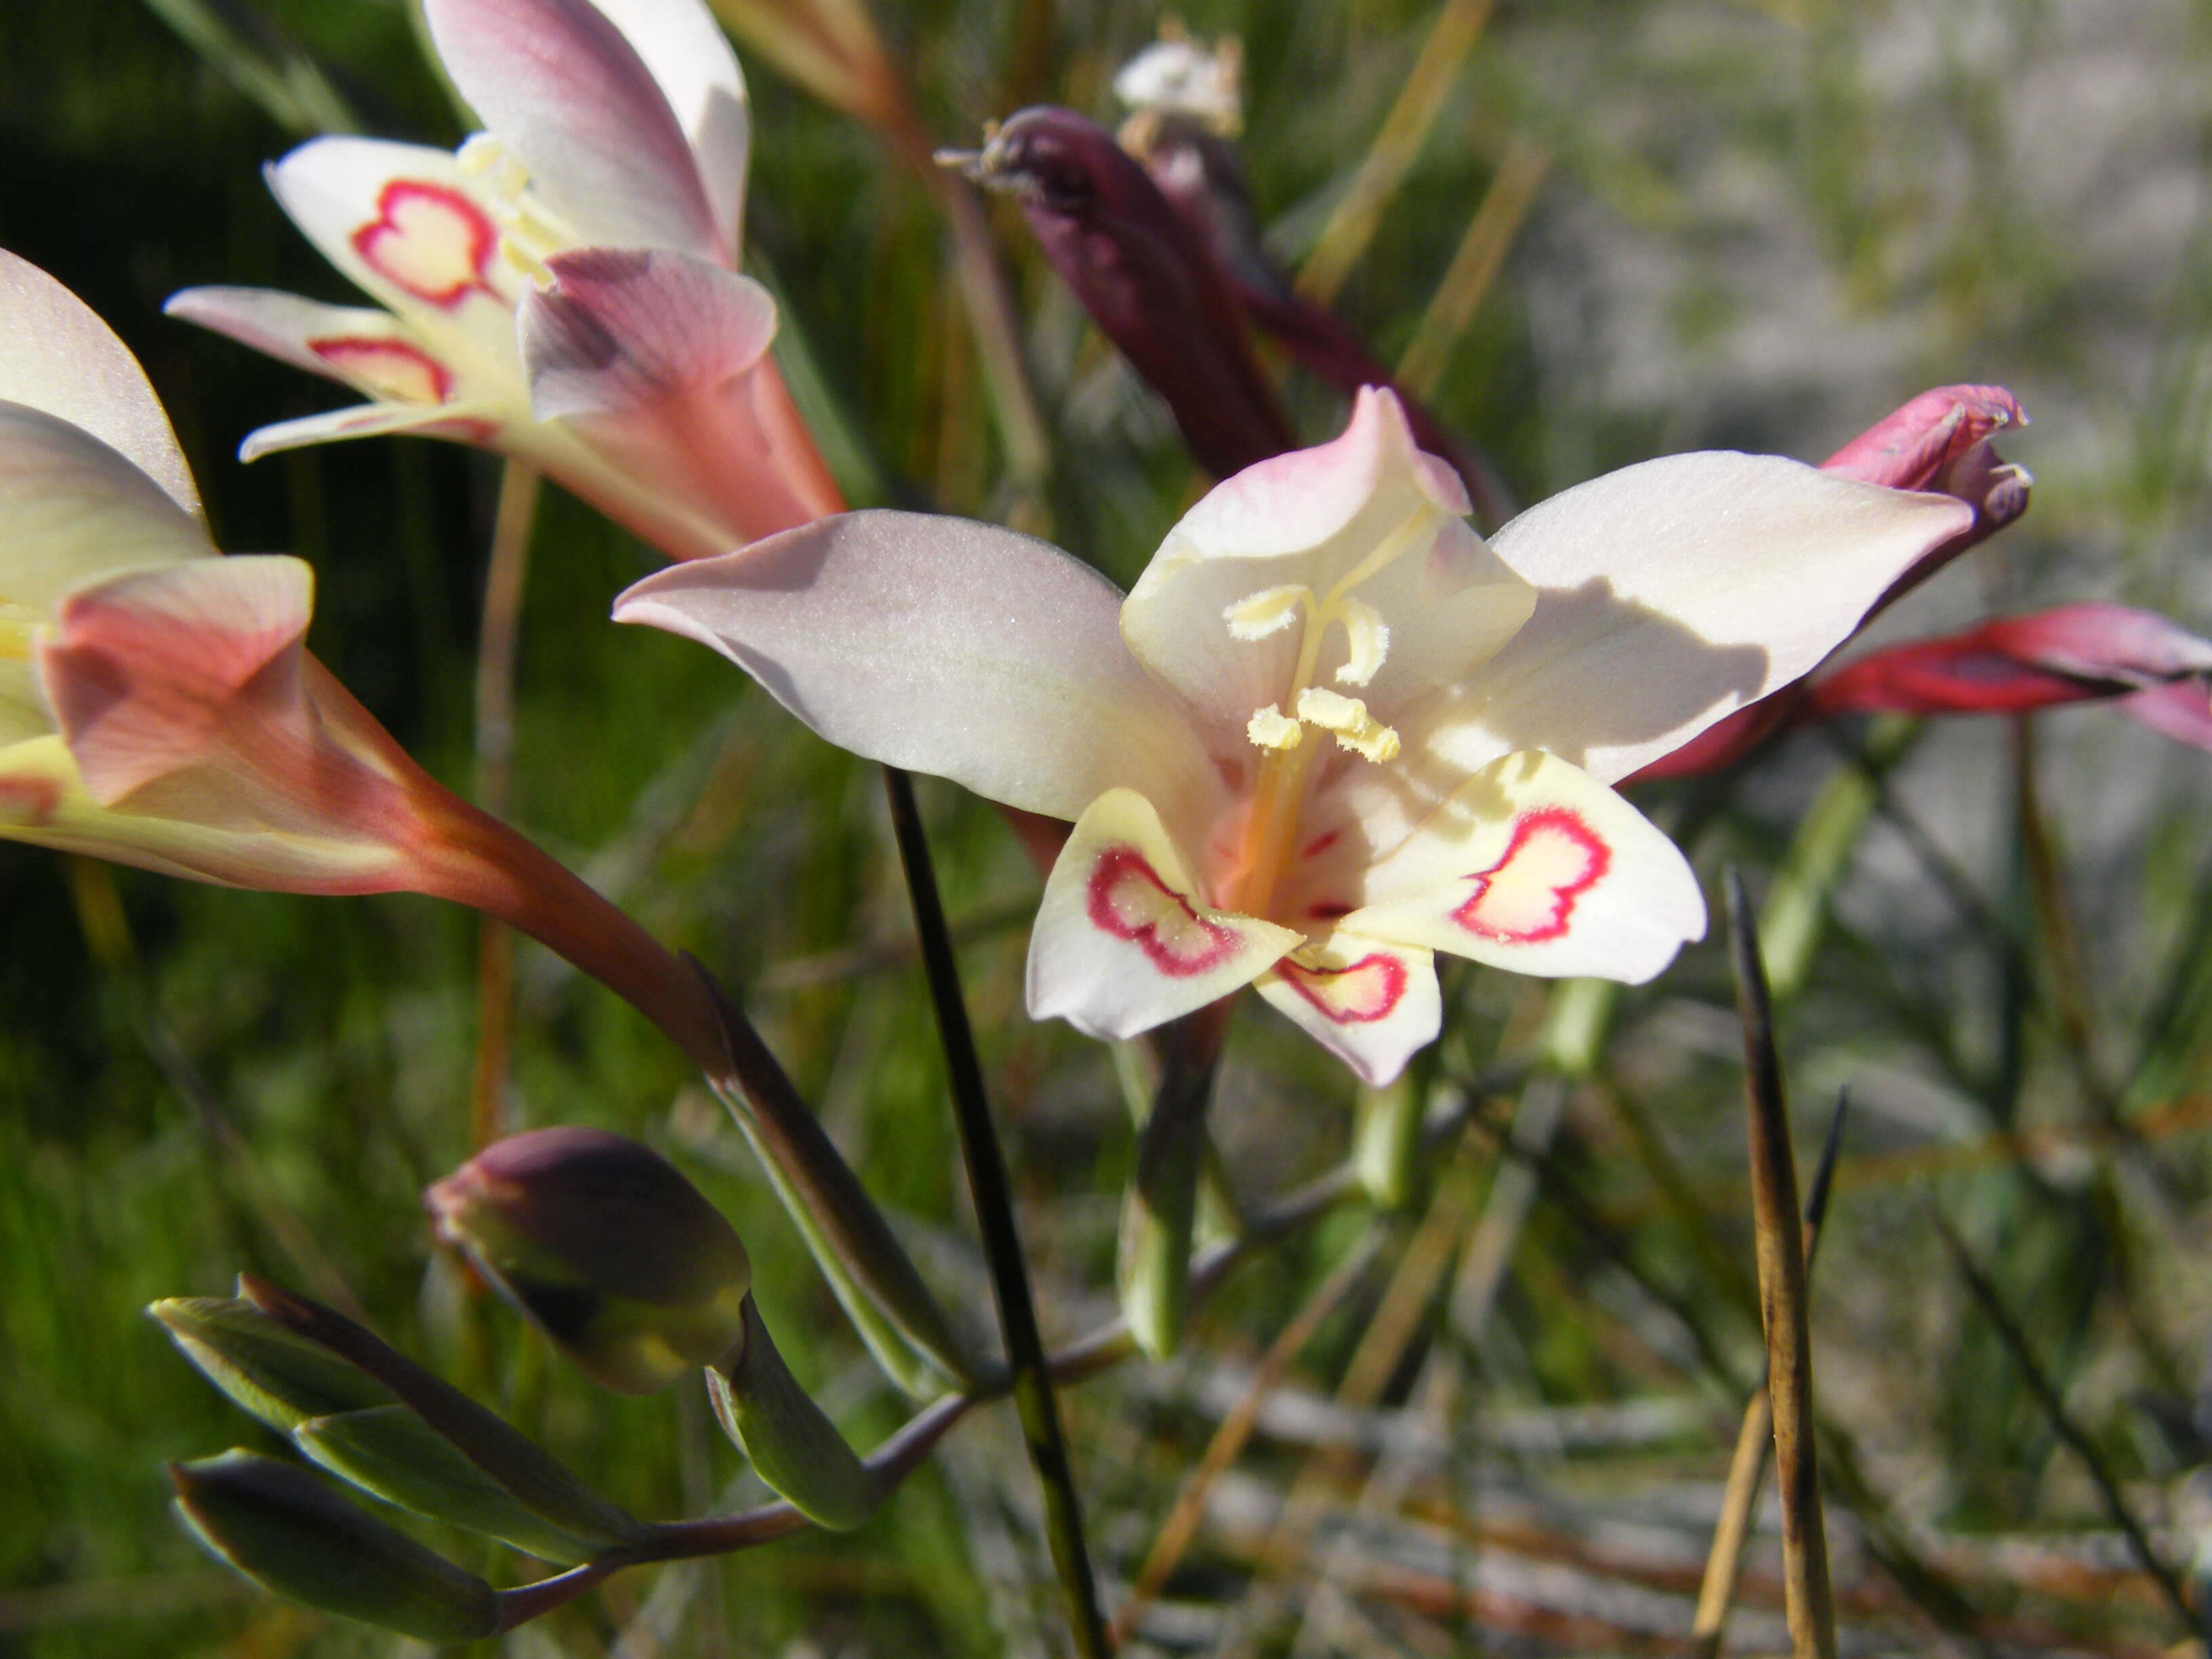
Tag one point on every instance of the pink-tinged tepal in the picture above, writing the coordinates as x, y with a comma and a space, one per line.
1331, 732
565, 289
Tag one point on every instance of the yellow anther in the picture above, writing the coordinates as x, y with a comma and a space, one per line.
1268, 611
1367, 638
1270, 728
1348, 718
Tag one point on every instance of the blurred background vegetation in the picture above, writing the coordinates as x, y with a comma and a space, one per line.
1757, 225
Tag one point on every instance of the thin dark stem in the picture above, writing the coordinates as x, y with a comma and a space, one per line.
2046, 1394
994, 1214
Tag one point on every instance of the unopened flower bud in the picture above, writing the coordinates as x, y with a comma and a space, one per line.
793, 1445
283, 1379
391, 1452
290, 1533
621, 1263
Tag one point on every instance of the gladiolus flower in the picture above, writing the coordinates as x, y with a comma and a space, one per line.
565, 289
158, 705
1331, 731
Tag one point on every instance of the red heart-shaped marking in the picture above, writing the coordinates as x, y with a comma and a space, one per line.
1528, 895
1357, 994
429, 239
1129, 900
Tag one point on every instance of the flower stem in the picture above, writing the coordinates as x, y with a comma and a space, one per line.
994, 1212
498, 645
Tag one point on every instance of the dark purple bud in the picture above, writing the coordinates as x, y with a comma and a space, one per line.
1144, 276
621, 1262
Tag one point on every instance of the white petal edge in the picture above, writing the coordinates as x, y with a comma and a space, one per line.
73, 511
1372, 1004
56, 355
1534, 865
947, 647
567, 93
473, 423
1124, 940
689, 56
1673, 592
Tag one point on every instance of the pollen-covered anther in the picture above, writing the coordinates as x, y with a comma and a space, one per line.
1268, 611
18, 624
528, 232
1270, 728
1348, 718
1367, 639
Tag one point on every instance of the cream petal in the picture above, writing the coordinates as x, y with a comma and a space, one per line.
562, 89
410, 227
72, 510
945, 646
56, 354
1308, 518
1372, 1004
1124, 940
1672, 593
469, 423
1534, 865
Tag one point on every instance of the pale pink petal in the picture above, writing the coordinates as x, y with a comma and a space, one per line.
690, 57
57, 355
1124, 939
147, 673
1310, 518
564, 92
1673, 592
1534, 865
467, 423
372, 351
72, 510
2182, 711
1370, 1003
658, 361
945, 646
406, 225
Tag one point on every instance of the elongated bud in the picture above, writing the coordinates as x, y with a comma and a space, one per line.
286, 1531
508, 1458
281, 1378
2069, 653
1144, 275
792, 1444
621, 1263
391, 1452
1152, 1271
1386, 1145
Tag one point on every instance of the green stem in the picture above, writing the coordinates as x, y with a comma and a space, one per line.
994, 1213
